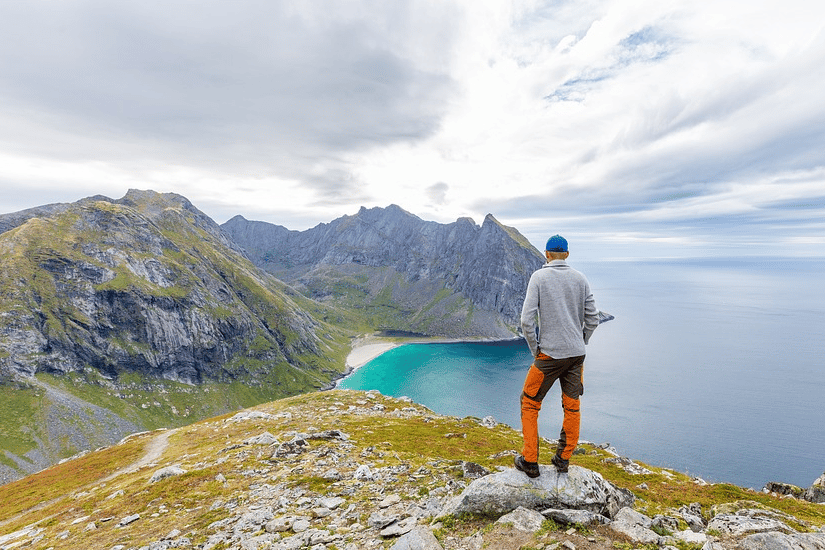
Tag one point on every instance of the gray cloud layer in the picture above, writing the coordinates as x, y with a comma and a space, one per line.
261, 85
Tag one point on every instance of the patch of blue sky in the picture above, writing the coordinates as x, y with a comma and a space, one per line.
648, 45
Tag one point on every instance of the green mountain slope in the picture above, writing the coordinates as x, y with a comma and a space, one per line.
121, 315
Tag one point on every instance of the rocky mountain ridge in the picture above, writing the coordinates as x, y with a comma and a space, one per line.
345, 470
451, 280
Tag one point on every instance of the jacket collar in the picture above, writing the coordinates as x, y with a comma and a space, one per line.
556, 263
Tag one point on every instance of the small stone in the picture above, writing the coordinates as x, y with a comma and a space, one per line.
331, 502
488, 422
377, 521
569, 545
399, 528
163, 473
320, 512
389, 501
128, 519
300, 525
279, 525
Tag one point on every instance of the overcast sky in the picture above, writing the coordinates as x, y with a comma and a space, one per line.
633, 127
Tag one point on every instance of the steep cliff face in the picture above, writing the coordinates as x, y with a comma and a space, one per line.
148, 284
457, 279
145, 294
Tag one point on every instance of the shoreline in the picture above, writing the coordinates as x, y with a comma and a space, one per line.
367, 347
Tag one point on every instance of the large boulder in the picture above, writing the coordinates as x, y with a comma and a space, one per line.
503, 492
419, 538
746, 522
635, 526
816, 492
783, 541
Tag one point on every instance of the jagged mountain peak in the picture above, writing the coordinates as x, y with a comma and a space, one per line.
457, 279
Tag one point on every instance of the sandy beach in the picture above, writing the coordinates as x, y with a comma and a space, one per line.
362, 354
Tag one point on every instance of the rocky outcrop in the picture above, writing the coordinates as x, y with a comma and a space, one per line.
503, 492
814, 493
456, 279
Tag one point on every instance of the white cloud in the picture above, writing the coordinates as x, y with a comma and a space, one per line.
652, 117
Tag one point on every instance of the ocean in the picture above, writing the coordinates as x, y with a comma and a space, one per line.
712, 367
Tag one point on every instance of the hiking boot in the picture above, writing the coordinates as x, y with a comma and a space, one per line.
529, 468
560, 463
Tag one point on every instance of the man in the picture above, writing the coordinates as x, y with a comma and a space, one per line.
560, 305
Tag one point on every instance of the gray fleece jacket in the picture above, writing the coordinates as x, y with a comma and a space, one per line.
560, 305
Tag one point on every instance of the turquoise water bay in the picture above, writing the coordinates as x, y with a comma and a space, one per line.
711, 367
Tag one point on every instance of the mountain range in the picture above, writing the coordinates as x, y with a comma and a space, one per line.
453, 280
120, 315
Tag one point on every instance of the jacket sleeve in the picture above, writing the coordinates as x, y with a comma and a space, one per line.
591, 315
529, 316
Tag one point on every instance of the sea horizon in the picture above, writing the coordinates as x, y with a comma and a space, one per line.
680, 380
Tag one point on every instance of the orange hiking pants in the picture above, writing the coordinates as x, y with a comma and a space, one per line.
540, 378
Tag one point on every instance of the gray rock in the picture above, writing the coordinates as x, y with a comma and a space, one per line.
265, 438
163, 473
279, 525
523, 519
379, 521
300, 525
295, 446
363, 473
250, 415
635, 526
666, 522
629, 515
571, 517
472, 470
783, 541
816, 492
784, 489
746, 522
389, 500
128, 519
399, 527
502, 492
419, 538
690, 537
488, 422
331, 502
693, 516
329, 435
635, 533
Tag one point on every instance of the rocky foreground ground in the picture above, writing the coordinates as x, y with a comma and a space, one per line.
344, 470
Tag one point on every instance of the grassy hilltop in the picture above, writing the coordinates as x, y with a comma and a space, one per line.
233, 478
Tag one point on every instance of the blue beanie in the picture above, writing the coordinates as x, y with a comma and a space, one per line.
556, 243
